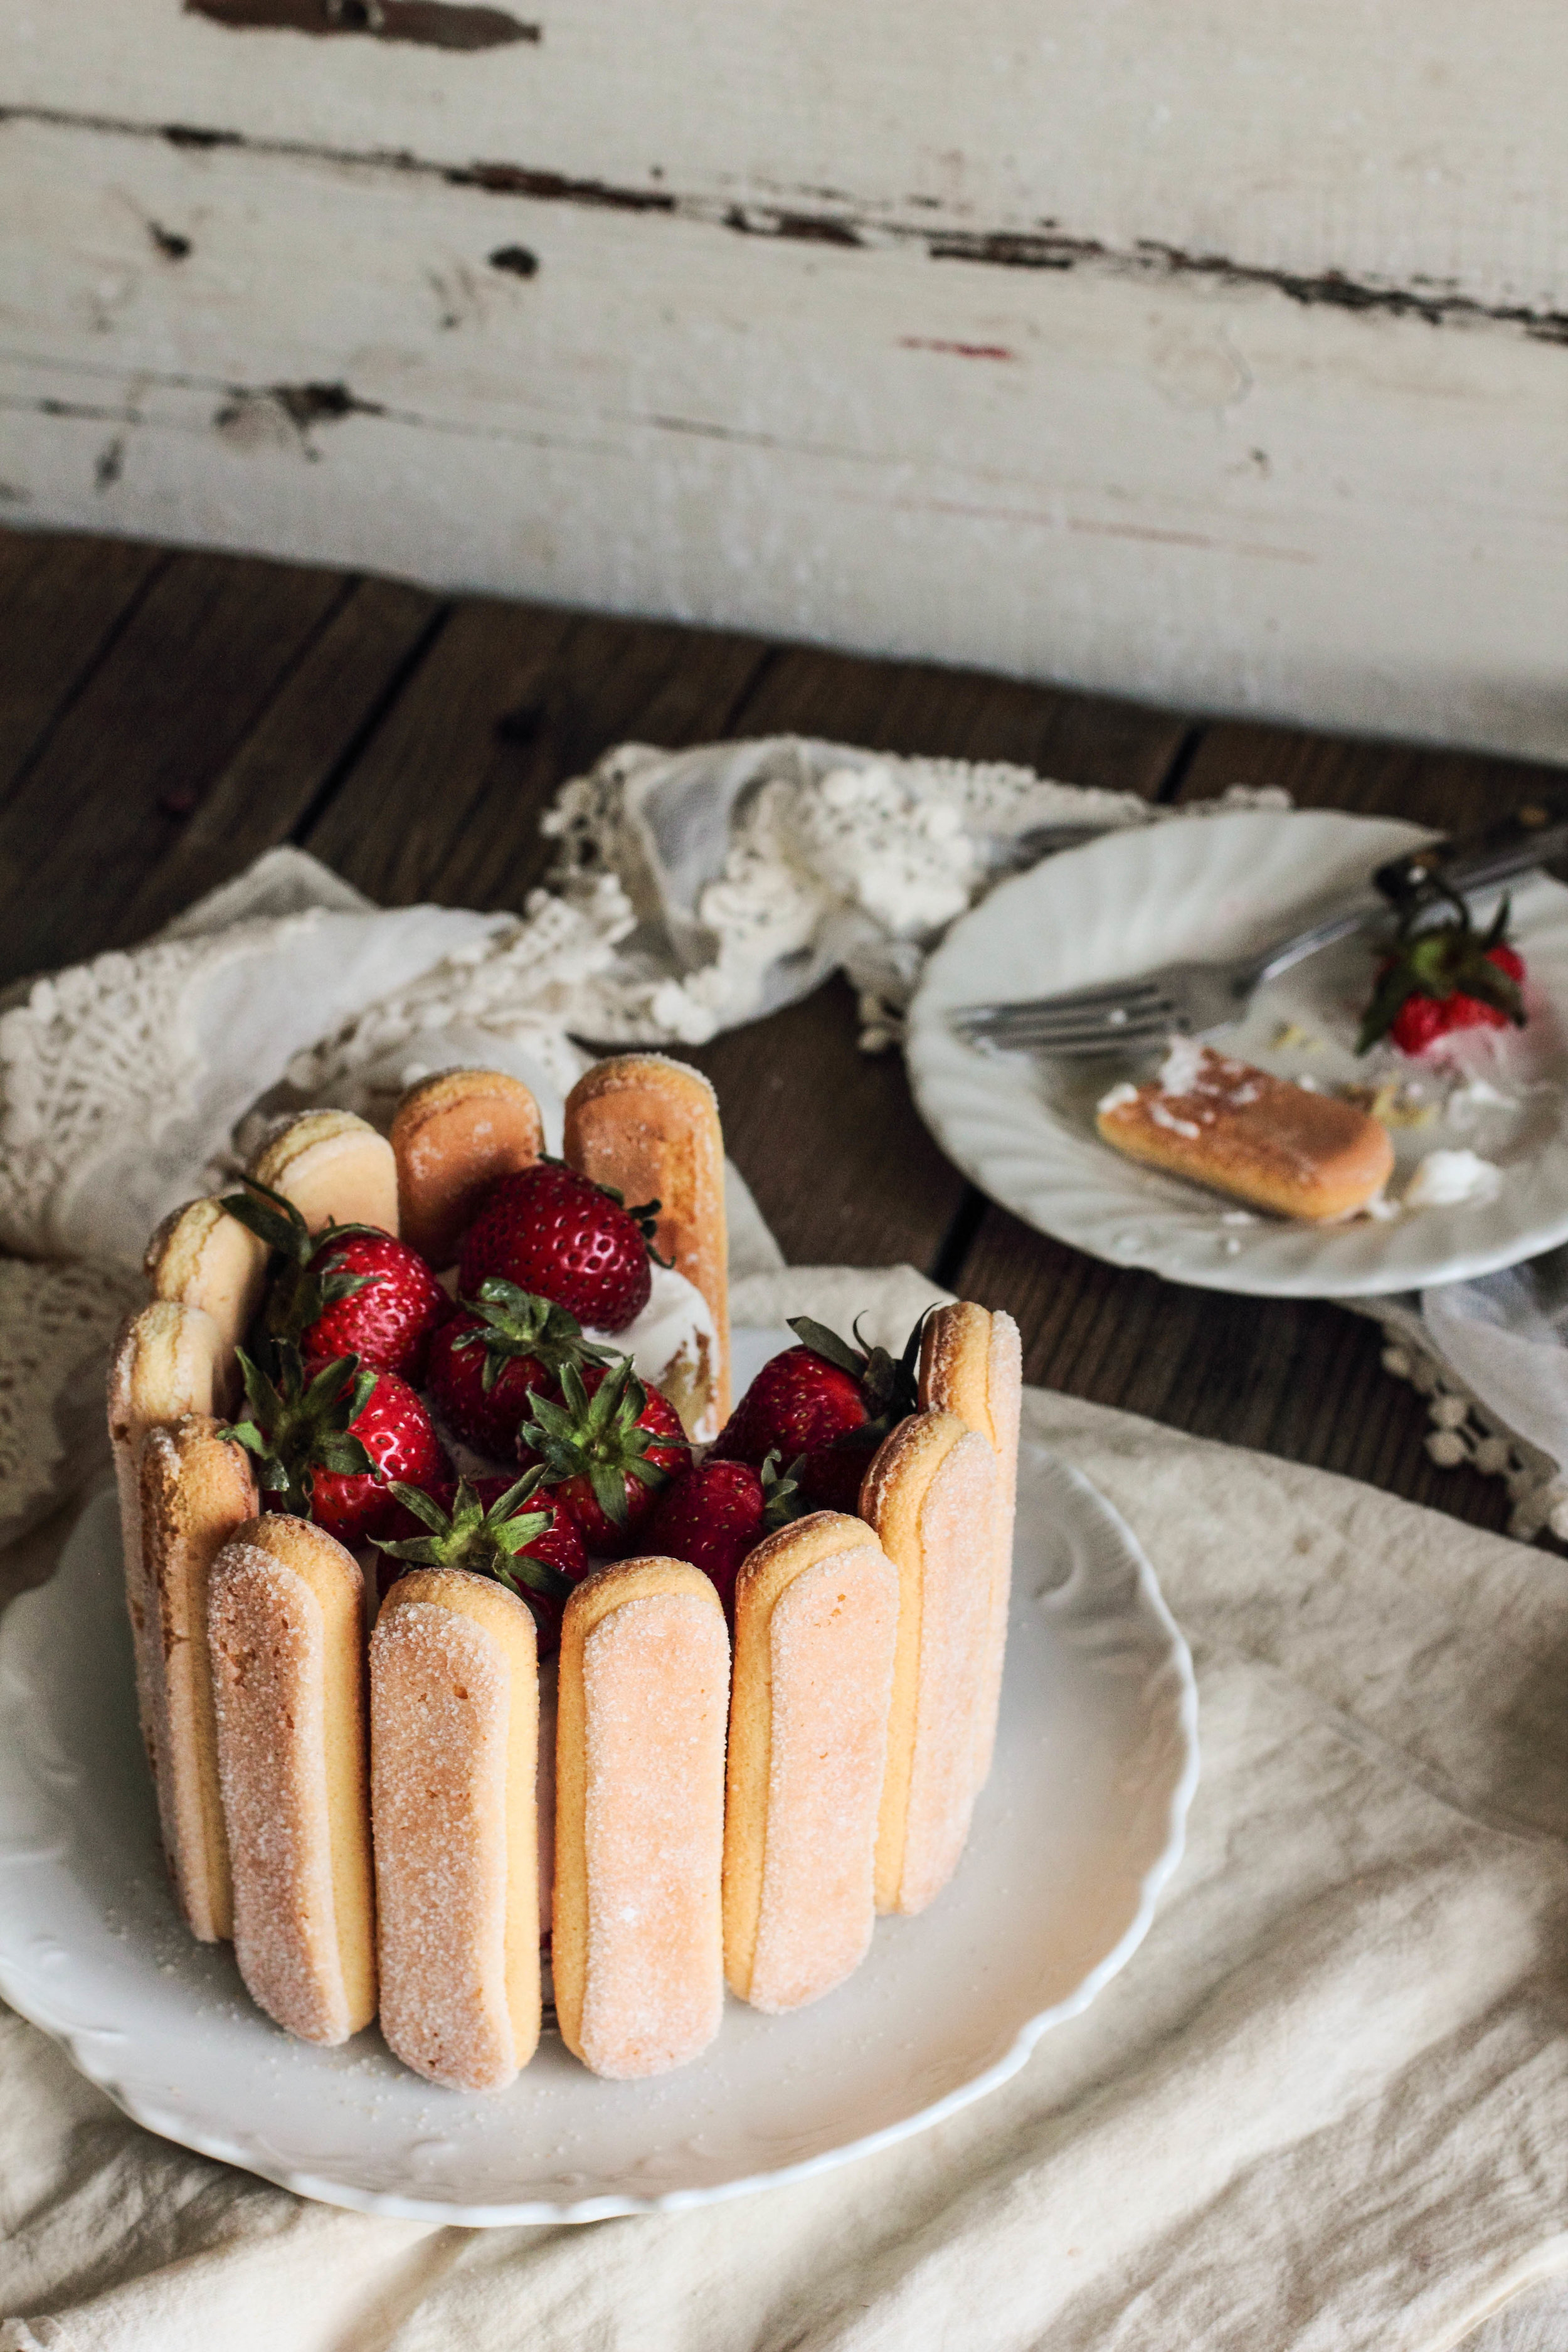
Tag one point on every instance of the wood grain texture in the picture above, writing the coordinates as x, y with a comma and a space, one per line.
133, 753
300, 747
61, 599
897, 423
1454, 791
510, 702
1251, 131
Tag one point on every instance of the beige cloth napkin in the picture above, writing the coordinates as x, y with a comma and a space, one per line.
1326, 2104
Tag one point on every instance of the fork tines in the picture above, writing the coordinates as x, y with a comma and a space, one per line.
1087, 1021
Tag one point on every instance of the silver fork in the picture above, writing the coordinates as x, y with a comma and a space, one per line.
1193, 998
1186, 999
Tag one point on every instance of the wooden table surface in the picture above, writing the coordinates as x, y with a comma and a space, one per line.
165, 717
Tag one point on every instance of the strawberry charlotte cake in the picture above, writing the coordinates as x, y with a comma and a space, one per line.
668, 1691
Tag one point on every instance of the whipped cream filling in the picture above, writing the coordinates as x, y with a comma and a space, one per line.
1178, 1073
673, 1346
1450, 1180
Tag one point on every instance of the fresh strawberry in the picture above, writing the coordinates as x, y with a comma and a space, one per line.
719, 1511
330, 1438
608, 1443
495, 1527
351, 1290
823, 1408
1442, 977
551, 1232
497, 1349
388, 1321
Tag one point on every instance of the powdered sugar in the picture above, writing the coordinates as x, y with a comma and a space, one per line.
656, 1684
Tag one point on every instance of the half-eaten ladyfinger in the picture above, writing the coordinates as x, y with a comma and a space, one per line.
454, 1136
972, 1364
649, 1128
196, 1489
201, 1257
286, 1626
1244, 1131
816, 1607
637, 1935
334, 1168
931, 1495
454, 1742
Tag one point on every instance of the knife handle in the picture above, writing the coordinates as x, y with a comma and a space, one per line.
1530, 834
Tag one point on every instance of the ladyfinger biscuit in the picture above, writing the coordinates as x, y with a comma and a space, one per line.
168, 1361
454, 1743
196, 1489
335, 1169
453, 1136
1265, 1140
201, 1257
649, 1127
972, 1364
286, 1630
931, 1495
637, 1942
816, 1609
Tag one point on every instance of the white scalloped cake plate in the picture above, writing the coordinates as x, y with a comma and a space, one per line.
1024, 1129
1078, 1828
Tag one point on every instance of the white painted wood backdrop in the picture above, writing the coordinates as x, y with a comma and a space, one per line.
1215, 352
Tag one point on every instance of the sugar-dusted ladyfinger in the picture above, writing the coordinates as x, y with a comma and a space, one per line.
972, 1364
649, 1127
816, 1607
453, 1136
201, 1257
454, 1742
286, 1628
196, 1489
168, 1361
637, 1940
931, 1495
335, 1169
1262, 1138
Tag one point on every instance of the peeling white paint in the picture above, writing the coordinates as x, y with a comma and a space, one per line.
1182, 484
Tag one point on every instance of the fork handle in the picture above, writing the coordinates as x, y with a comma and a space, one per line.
1530, 834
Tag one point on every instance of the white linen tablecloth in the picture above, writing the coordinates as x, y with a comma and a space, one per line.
1326, 2104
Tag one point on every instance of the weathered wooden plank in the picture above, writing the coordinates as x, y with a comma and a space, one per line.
61, 598
488, 380
1301, 1379
511, 701
829, 1138
158, 719
291, 760
1454, 790
916, 707
1251, 135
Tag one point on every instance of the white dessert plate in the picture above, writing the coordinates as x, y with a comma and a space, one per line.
1078, 1829
1023, 1128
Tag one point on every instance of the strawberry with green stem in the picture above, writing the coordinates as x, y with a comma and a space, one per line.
486, 1363
608, 1442
329, 1439
1444, 976
823, 1408
557, 1234
350, 1290
512, 1532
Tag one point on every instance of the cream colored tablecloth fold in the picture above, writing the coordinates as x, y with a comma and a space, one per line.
1326, 2106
